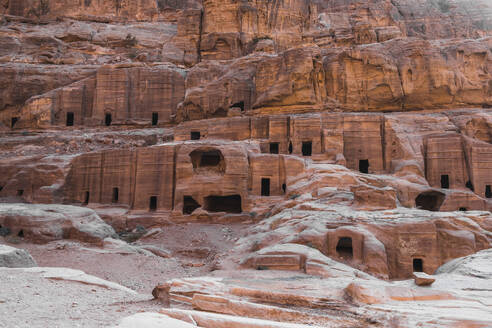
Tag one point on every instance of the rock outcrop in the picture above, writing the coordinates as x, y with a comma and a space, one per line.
11, 257
43, 223
343, 147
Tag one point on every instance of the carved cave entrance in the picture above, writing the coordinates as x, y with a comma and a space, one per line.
430, 200
265, 186
189, 205
344, 248
364, 166
108, 119
239, 105
70, 119
208, 159
445, 181
488, 191
228, 204
307, 148
13, 120
116, 195
195, 135
418, 265
155, 118
290, 147
153, 203
274, 147
86, 198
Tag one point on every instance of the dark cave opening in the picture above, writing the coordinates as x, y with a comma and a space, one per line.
344, 248
430, 200
228, 204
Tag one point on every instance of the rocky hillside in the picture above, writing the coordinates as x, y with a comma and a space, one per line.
268, 163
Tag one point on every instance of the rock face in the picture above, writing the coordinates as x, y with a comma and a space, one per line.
350, 139
11, 257
43, 223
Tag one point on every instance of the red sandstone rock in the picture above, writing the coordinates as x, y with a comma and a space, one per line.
43, 223
423, 279
352, 137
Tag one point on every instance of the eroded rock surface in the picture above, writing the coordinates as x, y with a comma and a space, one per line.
11, 257
43, 223
264, 163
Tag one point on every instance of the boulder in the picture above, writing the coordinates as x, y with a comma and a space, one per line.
423, 279
43, 223
11, 257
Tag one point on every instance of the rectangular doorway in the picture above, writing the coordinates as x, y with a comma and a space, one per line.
70, 119
155, 118
307, 148
265, 186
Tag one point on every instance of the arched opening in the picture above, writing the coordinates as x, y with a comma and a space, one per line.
445, 181
21, 233
463, 209
153, 203
20, 192
195, 135
344, 248
307, 148
364, 166
469, 185
290, 147
284, 187
228, 204
155, 118
265, 186
208, 159
70, 119
108, 119
430, 200
488, 191
86, 198
189, 205
274, 147
239, 104
418, 265
13, 120
116, 195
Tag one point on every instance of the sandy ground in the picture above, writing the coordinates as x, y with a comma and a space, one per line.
195, 250
29, 300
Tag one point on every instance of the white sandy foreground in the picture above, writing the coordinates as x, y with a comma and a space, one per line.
461, 296
60, 297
